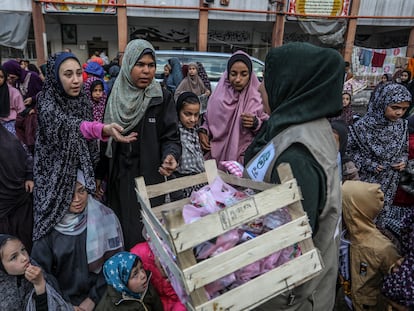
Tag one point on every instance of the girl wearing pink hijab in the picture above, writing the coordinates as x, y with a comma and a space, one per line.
234, 113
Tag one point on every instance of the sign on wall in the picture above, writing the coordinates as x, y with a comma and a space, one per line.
319, 7
79, 8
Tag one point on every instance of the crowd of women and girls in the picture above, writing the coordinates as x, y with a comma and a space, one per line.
73, 138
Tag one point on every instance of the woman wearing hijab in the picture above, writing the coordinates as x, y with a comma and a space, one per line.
299, 133
66, 141
78, 246
139, 104
192, 83
16, 185
378, 142
29, 84
234, 113
176, 74
11, 103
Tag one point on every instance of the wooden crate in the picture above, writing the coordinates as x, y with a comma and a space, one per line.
181, 238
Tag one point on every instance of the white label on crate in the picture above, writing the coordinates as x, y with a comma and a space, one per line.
238, 214
258, 168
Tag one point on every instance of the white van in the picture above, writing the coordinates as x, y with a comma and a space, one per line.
214, 63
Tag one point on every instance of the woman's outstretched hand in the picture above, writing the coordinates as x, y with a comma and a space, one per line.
115, 131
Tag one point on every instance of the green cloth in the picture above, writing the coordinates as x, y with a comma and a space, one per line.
304, 83
127, 103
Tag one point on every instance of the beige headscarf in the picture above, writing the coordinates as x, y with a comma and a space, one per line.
127, 103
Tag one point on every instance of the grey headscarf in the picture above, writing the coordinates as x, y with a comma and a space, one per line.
127, 103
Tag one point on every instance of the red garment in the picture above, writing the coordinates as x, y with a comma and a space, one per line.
378, 59
403, 198
169, 298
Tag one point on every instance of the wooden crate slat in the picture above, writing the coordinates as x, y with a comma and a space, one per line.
244, 182
146, 208
267, 285
296, 209
175, 184
246, 253
186, 258
158, 210
164, 256
213, 225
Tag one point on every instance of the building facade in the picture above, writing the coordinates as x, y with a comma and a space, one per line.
224, 25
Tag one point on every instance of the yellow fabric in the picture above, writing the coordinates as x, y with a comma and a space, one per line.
372, 253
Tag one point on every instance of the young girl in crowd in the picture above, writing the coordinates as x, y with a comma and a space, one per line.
75, 250
192, 161
23, 285
234, 113
378, 142
11, 103
347, 113
128, 287
192, 83
95, 91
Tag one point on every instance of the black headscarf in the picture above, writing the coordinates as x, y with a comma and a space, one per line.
239, 57
60, 149
183, 97
304, 83
4, 96
3, 240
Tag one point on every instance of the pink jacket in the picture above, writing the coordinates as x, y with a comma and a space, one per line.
169, 298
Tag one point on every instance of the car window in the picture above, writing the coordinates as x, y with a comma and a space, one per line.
214, 65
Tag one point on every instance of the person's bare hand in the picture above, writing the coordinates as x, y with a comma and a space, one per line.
247, 120
204, 141
87, 305
77, 308
29, 185
99, 192
27, 101
34, 275
396, 266
168, 166
399, 166
379, 168
115, 131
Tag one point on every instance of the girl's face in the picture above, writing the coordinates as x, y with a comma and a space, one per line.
346, 100
384, 79
97, 93
189, 115
404, 77
2, 77
395, 111
137, 282
70, 75
239, 76
192, 71
166, 71
79, 199
14, 257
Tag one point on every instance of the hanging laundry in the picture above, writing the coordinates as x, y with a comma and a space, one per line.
365, 57
378, 59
